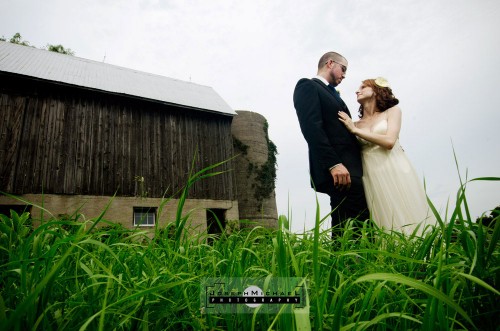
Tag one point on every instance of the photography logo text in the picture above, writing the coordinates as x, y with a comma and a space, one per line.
248, 295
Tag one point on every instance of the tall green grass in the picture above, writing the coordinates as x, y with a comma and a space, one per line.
69, 274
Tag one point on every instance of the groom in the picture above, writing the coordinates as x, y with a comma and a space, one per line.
334, 153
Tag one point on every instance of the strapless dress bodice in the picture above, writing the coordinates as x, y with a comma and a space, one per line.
380, 128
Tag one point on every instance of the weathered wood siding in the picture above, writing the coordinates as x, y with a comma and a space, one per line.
63, 140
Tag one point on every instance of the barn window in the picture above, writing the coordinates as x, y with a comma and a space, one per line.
144, 216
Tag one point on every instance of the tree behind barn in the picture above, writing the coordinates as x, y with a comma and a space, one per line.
17, 39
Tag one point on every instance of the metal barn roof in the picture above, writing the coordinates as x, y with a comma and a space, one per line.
52, 66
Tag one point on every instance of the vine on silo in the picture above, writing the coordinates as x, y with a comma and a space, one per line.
265, 174
238, 144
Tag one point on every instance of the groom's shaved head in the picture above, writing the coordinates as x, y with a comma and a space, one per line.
336, 57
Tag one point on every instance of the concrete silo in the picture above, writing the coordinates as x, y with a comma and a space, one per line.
255, 169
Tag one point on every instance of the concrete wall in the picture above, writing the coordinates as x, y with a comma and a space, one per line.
121, 209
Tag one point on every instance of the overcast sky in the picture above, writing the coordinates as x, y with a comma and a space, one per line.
441, 58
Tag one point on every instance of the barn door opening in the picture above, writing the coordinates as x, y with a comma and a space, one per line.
19, 209
216, 223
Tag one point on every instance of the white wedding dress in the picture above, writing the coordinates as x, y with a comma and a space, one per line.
394, 193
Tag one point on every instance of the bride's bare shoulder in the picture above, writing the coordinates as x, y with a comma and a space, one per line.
394, 109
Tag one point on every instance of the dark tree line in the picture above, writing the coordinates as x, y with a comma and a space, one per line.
17, 39
489, 220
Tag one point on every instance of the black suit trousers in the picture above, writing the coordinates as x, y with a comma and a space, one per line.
348, 203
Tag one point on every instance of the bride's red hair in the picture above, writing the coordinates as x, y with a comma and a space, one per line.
384, 98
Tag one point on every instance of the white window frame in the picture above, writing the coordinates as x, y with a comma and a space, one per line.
147, 214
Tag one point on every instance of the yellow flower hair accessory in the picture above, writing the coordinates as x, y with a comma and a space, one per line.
382, 82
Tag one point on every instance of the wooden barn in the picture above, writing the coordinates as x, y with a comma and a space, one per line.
75, 132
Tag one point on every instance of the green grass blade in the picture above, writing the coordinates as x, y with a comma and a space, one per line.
479, 282
433, 292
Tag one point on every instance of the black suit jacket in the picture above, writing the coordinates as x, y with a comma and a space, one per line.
328, 139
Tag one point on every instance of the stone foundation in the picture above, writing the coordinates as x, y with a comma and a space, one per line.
121, 209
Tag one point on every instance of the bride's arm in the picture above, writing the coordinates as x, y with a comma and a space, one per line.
386, 140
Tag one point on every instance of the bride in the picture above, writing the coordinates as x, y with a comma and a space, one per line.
394, 194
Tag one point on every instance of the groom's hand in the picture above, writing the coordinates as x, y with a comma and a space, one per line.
341, 177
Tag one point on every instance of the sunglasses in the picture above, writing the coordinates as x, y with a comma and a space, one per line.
342, 67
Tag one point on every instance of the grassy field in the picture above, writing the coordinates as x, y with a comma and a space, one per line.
68, 274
